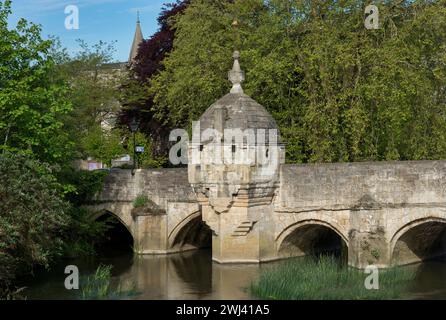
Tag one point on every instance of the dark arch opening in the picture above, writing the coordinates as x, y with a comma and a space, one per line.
117, 238
423, 242
194, 235
314, 240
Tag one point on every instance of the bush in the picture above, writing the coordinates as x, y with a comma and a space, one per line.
140, 201
83, 234
82, 186
32, 215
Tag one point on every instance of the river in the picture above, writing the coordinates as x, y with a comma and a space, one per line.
192, 275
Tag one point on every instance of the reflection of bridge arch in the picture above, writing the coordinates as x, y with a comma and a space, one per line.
419, 239
305, 237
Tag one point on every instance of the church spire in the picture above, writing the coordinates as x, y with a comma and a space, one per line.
137, 39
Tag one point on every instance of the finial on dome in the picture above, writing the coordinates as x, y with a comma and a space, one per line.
137, 17
236, 75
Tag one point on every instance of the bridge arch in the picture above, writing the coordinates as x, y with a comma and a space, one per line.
310, 236
123, 230
121, 210
418, 240
117, 238
99, 214
190, 233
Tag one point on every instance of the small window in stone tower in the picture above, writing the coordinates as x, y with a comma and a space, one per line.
267, 152
201, 147
233, 148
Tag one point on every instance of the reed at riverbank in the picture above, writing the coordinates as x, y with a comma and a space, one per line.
98, 286
326, 279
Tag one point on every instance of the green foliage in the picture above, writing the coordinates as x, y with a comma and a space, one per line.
99, 286
32, 100
93, 93
140, 201
38, 125
102, 145
9, 294
195, 73
32, 214
326, 279
83, 234
375, 253
338, 91
82, 186
146, 159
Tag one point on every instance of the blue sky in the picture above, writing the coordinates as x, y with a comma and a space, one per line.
106, 20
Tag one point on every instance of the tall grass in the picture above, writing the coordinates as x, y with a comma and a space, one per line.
326, 279
99, 286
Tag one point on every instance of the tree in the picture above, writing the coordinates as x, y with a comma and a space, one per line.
94, 93
145, 159
195, 72
32, 215
135, 96
103, 145
37, 133
32, 100
338, 91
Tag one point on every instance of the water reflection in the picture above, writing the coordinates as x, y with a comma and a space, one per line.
430, 280
192, 275
189, 275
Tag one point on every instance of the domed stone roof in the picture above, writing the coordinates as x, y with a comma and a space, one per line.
239, 112
236, 110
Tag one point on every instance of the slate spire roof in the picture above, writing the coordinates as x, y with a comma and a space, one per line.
138, 38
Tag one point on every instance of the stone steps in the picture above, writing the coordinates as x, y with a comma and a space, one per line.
243, 229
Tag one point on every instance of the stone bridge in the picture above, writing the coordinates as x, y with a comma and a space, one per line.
238, 196
158, 228
382, 213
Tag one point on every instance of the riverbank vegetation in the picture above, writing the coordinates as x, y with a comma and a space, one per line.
38, 222
32, 215
99, 286
324, 278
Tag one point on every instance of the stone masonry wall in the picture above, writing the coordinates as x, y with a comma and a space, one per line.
353, 185
161, 186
